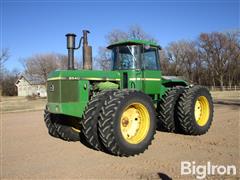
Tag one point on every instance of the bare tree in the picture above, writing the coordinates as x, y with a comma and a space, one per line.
4, 56
164, 63
233, 53
104, 59
8, 83
136, 32
222, 54
115, 36
41, 65
200, 69
182, 56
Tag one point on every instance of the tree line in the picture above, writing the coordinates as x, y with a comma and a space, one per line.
212, 59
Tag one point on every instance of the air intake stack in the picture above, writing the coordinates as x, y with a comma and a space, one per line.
71, 47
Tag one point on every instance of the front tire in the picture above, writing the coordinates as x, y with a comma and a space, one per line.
67, 127
49, 119
127, 123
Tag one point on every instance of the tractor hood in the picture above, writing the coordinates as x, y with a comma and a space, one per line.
68, 90
91, 75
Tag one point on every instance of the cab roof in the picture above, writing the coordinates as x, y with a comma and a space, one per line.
134, 42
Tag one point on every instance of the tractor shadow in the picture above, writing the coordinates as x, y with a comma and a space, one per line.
163, 176
158, 175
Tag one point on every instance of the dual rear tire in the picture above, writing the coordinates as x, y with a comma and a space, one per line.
186, 110
194, 111
121, 123
127, 123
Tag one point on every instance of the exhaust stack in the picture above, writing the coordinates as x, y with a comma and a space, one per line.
87, 52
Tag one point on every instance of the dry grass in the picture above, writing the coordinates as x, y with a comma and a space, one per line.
16, 104
231, 95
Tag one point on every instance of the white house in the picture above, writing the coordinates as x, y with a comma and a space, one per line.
29, 86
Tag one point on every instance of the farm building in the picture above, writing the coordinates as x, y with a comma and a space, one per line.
29, 86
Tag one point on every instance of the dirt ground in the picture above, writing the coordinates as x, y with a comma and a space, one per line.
29, 152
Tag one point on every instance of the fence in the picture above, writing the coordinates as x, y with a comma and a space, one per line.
224, 88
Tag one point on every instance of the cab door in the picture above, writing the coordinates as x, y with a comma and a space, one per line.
151, 79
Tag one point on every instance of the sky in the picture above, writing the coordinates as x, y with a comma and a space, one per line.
35, 27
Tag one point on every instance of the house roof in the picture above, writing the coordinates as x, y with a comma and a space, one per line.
33, 80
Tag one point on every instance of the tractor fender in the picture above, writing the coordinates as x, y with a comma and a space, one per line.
173, 81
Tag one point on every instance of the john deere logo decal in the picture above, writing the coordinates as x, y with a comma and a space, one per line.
51, 88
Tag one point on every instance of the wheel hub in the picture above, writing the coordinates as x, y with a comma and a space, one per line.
201, 110
130, 122
135, 123
125, 122
198, 110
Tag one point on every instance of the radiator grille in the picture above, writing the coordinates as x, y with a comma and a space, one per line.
62, 91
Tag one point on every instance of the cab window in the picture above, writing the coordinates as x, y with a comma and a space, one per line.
150, 61
126, 57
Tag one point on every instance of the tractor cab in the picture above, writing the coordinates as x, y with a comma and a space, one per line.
135, 55
138, 63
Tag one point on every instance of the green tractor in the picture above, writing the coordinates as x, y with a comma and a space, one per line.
118, 111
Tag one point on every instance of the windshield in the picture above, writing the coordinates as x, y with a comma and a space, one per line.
126, 57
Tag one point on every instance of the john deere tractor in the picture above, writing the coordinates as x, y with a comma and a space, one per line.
119, 110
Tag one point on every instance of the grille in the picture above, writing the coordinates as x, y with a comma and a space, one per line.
62, 91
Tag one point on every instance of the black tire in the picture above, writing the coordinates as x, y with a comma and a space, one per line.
48, 119
90, 119
110, 126
186, 111
67, 127
166, 109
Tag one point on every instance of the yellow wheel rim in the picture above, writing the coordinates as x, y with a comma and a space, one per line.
201, 110
135, 123
75, 129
